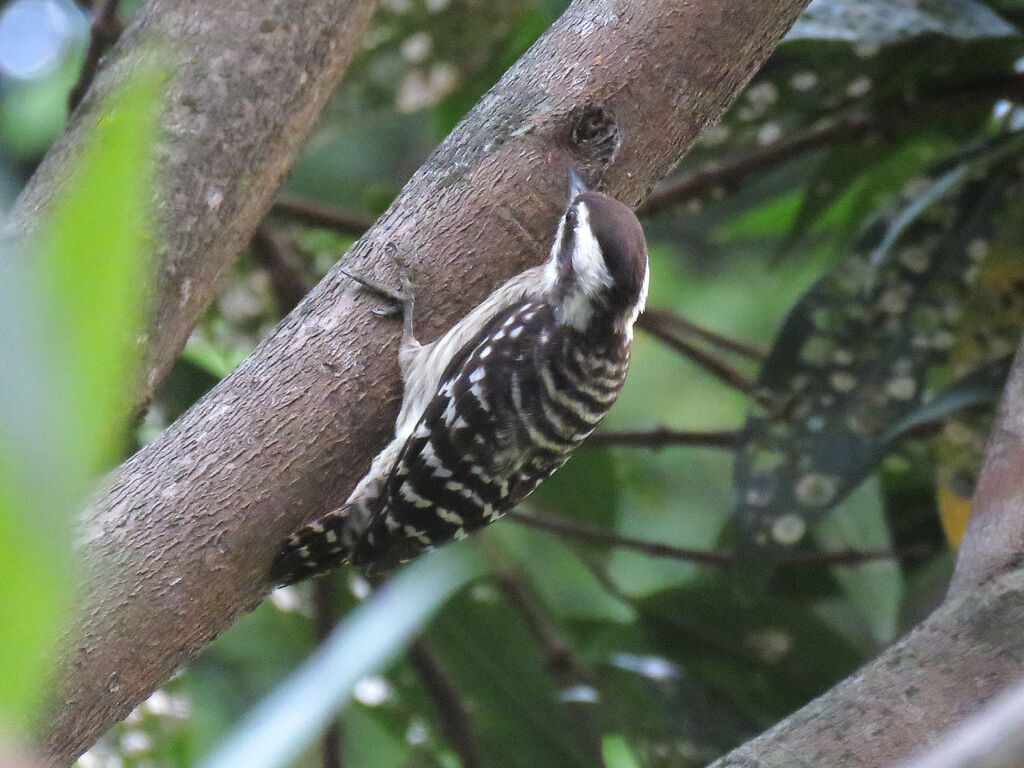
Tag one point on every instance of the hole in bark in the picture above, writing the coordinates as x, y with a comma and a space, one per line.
595, 134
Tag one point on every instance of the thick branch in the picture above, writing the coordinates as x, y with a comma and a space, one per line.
993, 738
947, 668
180, 542
994, 539
248, 79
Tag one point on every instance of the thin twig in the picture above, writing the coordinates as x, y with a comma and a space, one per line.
321, 214
681, 188
325, 618
661, 437
851, 127
560, 657
655, 325
719, 558
288, 281
104, 30
667, 317
455, 719
558, 653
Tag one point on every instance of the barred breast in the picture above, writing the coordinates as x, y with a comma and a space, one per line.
509, 410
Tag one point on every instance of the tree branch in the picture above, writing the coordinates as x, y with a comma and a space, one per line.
287, 279
104, 30
247, 81
949, 666
849, 128
992, 738
661, 437
681, 188
656, 324
456, 721
994, 538
721, 558
321, 214
179, 543
668, 318
560, 658
325, 618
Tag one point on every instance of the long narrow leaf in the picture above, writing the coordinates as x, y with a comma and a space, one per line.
291, 717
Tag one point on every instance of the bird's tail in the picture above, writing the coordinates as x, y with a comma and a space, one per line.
315, 549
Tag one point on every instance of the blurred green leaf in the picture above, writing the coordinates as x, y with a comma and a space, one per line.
590, 480
291, 717
70, 305
617, 753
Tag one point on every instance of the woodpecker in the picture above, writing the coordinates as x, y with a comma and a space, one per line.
496, 404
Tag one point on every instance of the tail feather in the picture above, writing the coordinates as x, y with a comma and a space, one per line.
315, 549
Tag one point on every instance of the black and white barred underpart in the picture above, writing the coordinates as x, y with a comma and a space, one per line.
497, 404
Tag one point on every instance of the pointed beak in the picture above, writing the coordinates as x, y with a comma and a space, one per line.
576, 185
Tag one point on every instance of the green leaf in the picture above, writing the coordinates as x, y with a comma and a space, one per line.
586, 488
73, 295
291, 717
875, 588
859, 352
617, 754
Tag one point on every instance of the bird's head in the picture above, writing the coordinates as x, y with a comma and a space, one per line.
598, 267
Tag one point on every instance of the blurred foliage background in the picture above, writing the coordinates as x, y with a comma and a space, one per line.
837, 290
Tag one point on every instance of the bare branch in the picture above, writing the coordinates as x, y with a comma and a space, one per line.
592, 535
661, 437
180, 541
847, 128
287, 279
321, 214
104, 30
456, 720
325, 618
994, 538
718, 557
558, 652
684, 187
668, 318
660, 328
561, 659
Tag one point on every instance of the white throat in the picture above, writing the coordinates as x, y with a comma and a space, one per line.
591, 274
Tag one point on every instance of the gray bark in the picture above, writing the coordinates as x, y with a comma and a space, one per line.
994, 538
248, 79
180, 542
